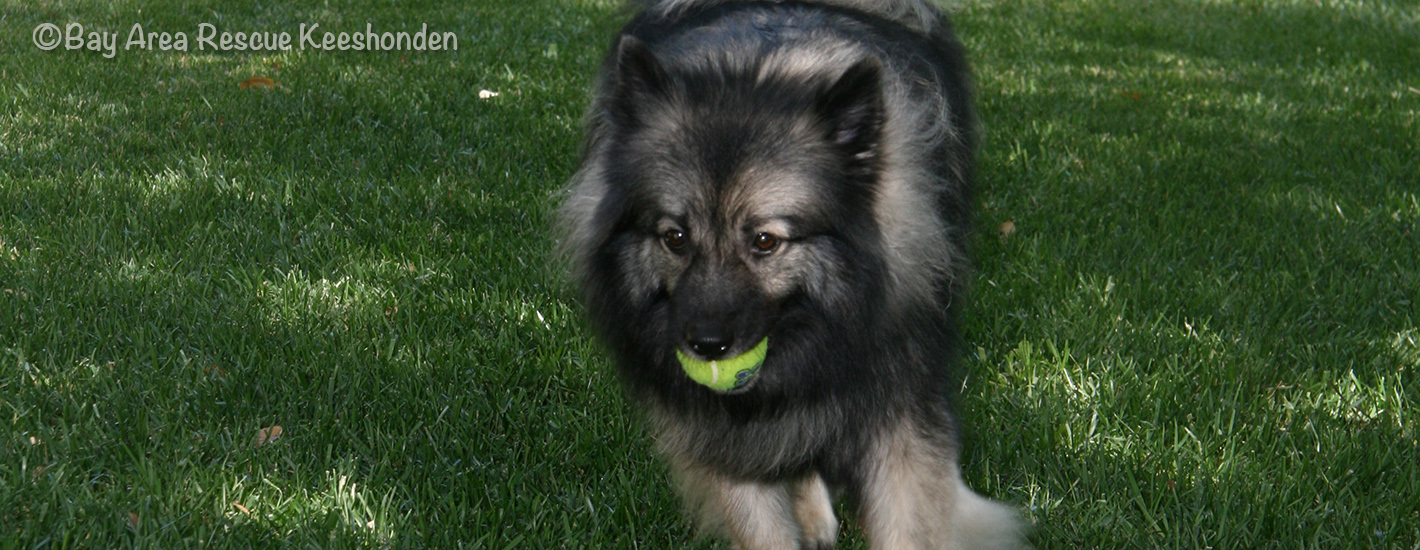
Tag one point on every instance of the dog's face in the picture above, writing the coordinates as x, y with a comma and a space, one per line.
743, 199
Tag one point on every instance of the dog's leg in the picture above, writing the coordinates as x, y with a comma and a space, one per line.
907, 493
913, 498
756, 516
813, 508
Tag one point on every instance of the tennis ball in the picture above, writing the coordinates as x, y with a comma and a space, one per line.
725, 374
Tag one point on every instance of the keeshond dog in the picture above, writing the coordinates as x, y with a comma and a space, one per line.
768, 228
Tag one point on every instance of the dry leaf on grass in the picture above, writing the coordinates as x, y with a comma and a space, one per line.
240, 508
1006, 229
258, 82
267, 435
133, 519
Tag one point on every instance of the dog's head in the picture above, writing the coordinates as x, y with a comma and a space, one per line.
735, 204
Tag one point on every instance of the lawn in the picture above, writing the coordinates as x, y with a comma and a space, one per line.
322, 311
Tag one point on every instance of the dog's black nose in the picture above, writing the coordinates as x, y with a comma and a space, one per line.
709, 343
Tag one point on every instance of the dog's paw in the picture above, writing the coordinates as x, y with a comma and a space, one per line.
822, 535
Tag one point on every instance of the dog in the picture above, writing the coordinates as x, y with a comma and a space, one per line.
768, 229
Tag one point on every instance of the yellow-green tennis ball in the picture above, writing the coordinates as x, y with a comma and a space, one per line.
725, 374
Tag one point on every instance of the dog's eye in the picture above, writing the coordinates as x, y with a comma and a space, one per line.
674, 240
765, 243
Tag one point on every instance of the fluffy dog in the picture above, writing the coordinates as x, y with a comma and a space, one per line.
789, 179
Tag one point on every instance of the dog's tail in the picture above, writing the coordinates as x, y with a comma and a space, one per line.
919, 15
985, 524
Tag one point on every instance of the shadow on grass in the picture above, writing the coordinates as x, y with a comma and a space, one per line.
1202, 334
354, 255
1206, 315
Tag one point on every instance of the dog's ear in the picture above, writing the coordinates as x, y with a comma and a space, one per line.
638, 77
853, 109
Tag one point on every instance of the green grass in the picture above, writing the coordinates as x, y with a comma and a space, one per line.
1203, 333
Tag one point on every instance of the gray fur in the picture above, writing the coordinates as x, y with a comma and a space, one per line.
915, 15
839, 136
920, 244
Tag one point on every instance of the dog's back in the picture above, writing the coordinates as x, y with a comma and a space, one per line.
915, 15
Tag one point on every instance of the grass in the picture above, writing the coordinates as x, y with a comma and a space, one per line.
1202, 333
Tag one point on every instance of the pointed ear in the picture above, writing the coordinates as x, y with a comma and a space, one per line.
853, 109
637, 77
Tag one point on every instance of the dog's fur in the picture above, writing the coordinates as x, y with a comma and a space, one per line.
837, 137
